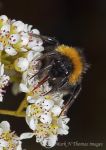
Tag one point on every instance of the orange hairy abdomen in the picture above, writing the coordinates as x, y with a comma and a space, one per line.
76, 60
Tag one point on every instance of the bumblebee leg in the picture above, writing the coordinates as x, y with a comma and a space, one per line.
48, 66
41, 82
72, 99
63, 84
42, 70
48, 92
58, 87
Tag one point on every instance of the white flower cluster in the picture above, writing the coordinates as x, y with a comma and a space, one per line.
43, 116
16, 37
19, 45
20, 49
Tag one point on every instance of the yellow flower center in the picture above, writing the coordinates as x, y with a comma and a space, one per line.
36, 110
7, 136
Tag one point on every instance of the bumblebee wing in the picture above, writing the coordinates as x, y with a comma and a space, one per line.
71, 99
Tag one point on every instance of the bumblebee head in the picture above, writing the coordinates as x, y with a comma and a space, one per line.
61, 67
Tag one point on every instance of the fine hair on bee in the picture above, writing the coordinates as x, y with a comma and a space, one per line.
63, 67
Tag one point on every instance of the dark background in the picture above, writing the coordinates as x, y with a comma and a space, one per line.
80, 23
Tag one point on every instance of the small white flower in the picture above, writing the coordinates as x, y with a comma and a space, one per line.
21, 64
10, 50
58, 98
8, 140
19, 26
5, 29
63, 128
24, 39
14, 38
3, 18
27, 82
49, 142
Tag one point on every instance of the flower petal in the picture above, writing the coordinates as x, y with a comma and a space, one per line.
1, 148
32, 124
35, 31
4, 18
3, 143
10, 50
30, 99
46, 118
1, 131
5, 29
1, 97
61, 131
24, 40
38, 48
21, 64
56, 110
23, 88
14, 38
19, 26
50, 141
47, 104
26, 135
30, 56
5, 125
1, 69
19, 147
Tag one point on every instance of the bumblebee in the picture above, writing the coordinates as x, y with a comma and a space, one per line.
63, 67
